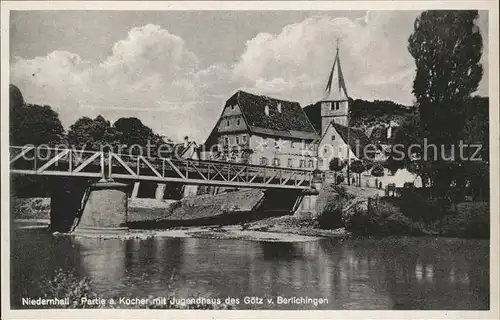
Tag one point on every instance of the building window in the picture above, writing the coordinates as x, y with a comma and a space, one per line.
290, 163
279, 107
302, 163
266, 110
325, 149
238, 122
228, 123
226, 140
278, 143
237, 140
320, 163
333, 137
310, 164
243, 139
327, 105
263, 161
292, 144
276, 162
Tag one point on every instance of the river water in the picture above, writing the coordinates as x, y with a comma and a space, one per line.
354, 274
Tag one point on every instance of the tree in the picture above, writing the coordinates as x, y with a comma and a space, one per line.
16, 97
134, 132
93, 134
35, 124
447, 48
336, 165
377, 171
358, 167
32, 125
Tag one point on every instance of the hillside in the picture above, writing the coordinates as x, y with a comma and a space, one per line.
365, 114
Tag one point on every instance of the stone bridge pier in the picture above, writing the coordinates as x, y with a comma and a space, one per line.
85, 208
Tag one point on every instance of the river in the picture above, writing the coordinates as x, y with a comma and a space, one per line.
358, 273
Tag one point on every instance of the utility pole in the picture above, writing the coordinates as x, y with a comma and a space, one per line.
348, 148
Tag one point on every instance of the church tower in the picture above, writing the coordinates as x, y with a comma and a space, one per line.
335, 105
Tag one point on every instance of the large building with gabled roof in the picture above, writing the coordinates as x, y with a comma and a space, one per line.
261, 130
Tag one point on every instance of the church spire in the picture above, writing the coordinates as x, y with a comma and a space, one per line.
336, 89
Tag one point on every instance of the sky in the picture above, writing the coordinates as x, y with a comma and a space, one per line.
175, 70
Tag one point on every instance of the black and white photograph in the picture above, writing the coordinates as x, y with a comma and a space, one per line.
261, 156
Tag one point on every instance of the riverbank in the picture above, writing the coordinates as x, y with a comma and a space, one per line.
265, 231
340, 212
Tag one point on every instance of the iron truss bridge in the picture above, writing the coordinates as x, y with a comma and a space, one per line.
98, 164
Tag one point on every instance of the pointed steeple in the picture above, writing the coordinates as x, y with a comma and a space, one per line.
335, 88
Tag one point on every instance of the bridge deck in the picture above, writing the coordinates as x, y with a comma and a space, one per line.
95, 164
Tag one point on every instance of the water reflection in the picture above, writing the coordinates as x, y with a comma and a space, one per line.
402, 273
102, 260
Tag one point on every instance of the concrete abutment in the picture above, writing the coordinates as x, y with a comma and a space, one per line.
89, 208
105, 210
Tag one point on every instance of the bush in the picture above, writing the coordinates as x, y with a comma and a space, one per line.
471, 220
339, 179
417, 207
331, 215
379, 217
330, 204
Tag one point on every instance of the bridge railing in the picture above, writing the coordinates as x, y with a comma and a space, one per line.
73, 162
198, 171
56, 161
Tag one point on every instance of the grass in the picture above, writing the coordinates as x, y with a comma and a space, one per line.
65, 284
30, 208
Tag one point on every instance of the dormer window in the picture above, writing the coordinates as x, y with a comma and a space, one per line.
266, 110
279, 107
